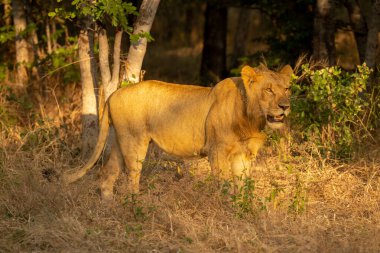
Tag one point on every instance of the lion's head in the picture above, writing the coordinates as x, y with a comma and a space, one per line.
271, 90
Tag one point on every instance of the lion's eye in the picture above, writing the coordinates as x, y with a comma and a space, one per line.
269, 90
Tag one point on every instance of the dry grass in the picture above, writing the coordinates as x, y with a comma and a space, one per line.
337, 209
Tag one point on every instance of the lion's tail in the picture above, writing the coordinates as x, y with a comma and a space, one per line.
103, 134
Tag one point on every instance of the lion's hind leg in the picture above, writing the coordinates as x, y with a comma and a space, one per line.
110, 172
133, 149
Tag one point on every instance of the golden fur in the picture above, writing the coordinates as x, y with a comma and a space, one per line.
223, 122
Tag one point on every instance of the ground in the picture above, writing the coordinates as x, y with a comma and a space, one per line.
298, 202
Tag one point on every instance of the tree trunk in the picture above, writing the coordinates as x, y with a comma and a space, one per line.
213, 66
48, 37
104, 65
137, 49
104, 57
109, 83
358, 26
241, 35
112, 86
22, 54
54, 33
373, 31
324, 32
7, 12
88, 80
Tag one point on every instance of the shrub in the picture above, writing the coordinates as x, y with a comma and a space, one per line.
333, 108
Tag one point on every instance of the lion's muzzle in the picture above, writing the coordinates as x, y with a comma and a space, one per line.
275, 118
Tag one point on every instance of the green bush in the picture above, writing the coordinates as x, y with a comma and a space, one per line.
332, 107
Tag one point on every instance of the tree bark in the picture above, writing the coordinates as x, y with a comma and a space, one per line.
48, 37
324, 32
241, 35
116, 65
22, 54
373, 31
109, 82
7, 12
137, 49
88, 80
358, 26
213, 65
104, 57
54, 37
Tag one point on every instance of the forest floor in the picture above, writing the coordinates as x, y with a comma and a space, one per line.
297, 202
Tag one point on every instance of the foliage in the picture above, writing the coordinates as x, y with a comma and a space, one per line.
61, 59
331, 106
7, 33
115, 12
244, 199
138, 209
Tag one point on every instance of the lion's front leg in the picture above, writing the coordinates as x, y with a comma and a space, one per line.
240, 167
220, 166
233, 162
242, 159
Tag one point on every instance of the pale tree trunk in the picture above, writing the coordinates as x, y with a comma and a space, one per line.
116, 65
22, 53
373, 31
324, 32
54, 37
88, 80
110, 82
104, 64
137, 49
48, 37
358, 26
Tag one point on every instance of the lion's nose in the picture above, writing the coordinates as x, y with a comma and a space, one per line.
284, 104
284, 107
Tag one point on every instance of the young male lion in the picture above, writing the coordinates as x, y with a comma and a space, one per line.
224, 122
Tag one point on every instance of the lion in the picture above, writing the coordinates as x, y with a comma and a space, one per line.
223, 122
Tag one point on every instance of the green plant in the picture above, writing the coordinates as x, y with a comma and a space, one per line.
276, 189
7, 33
299, 199
115, 12
135, 206
61, 61
244, 200
330, 105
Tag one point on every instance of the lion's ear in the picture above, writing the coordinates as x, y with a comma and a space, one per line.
247, 74
287, 70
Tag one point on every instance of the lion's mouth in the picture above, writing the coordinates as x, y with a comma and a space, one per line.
276, 119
